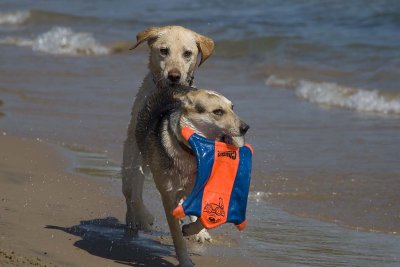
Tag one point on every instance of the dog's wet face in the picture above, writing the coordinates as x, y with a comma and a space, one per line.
173, 57
174, 52
211, 114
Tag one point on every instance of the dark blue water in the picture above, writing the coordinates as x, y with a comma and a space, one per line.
354, 42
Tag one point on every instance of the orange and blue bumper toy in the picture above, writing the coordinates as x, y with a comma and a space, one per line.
222, 184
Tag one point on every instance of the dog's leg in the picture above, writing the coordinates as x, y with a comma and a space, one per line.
192, 228
195, 228
176, 233
137, 216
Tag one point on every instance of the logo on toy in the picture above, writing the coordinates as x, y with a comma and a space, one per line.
215, 210
229, 154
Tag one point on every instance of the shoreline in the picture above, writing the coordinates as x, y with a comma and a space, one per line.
50, 216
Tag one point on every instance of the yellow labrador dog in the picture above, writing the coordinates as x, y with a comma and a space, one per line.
173, 58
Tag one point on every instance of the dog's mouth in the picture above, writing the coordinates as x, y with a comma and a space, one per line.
235, 140
174, 84
226, 138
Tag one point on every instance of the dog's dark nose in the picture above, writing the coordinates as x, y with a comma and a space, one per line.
174, 75
244, 128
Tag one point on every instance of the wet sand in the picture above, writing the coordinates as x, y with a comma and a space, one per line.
51, 217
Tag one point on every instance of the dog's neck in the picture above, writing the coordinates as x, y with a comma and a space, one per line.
180, 154
176, 123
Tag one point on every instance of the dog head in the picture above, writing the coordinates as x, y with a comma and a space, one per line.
173, 53
211, 115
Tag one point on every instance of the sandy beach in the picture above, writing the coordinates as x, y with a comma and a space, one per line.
48, 216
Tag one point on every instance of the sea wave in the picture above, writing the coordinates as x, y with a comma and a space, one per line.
332, 94
37, 16
275, 81
18, 41
347, 97
14, 18
61, 41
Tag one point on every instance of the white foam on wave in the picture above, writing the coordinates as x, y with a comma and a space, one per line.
61, 41
346, 97
14, 18
331, 94
275, 81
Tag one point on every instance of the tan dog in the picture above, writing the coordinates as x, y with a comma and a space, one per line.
173, 59
169, 156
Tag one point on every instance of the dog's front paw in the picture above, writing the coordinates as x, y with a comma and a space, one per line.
196, 231
132, 228
131, 231
203, 236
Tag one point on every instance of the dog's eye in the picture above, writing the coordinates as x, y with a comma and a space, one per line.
187, 54
218, 112
232, 106
164, 51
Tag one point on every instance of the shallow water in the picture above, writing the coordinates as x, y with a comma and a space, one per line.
272, 234
317, 82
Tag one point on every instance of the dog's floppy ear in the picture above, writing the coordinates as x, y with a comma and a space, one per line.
205, 46
186, 99
145, 35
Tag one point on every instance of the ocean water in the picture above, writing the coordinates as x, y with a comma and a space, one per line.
317, 81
